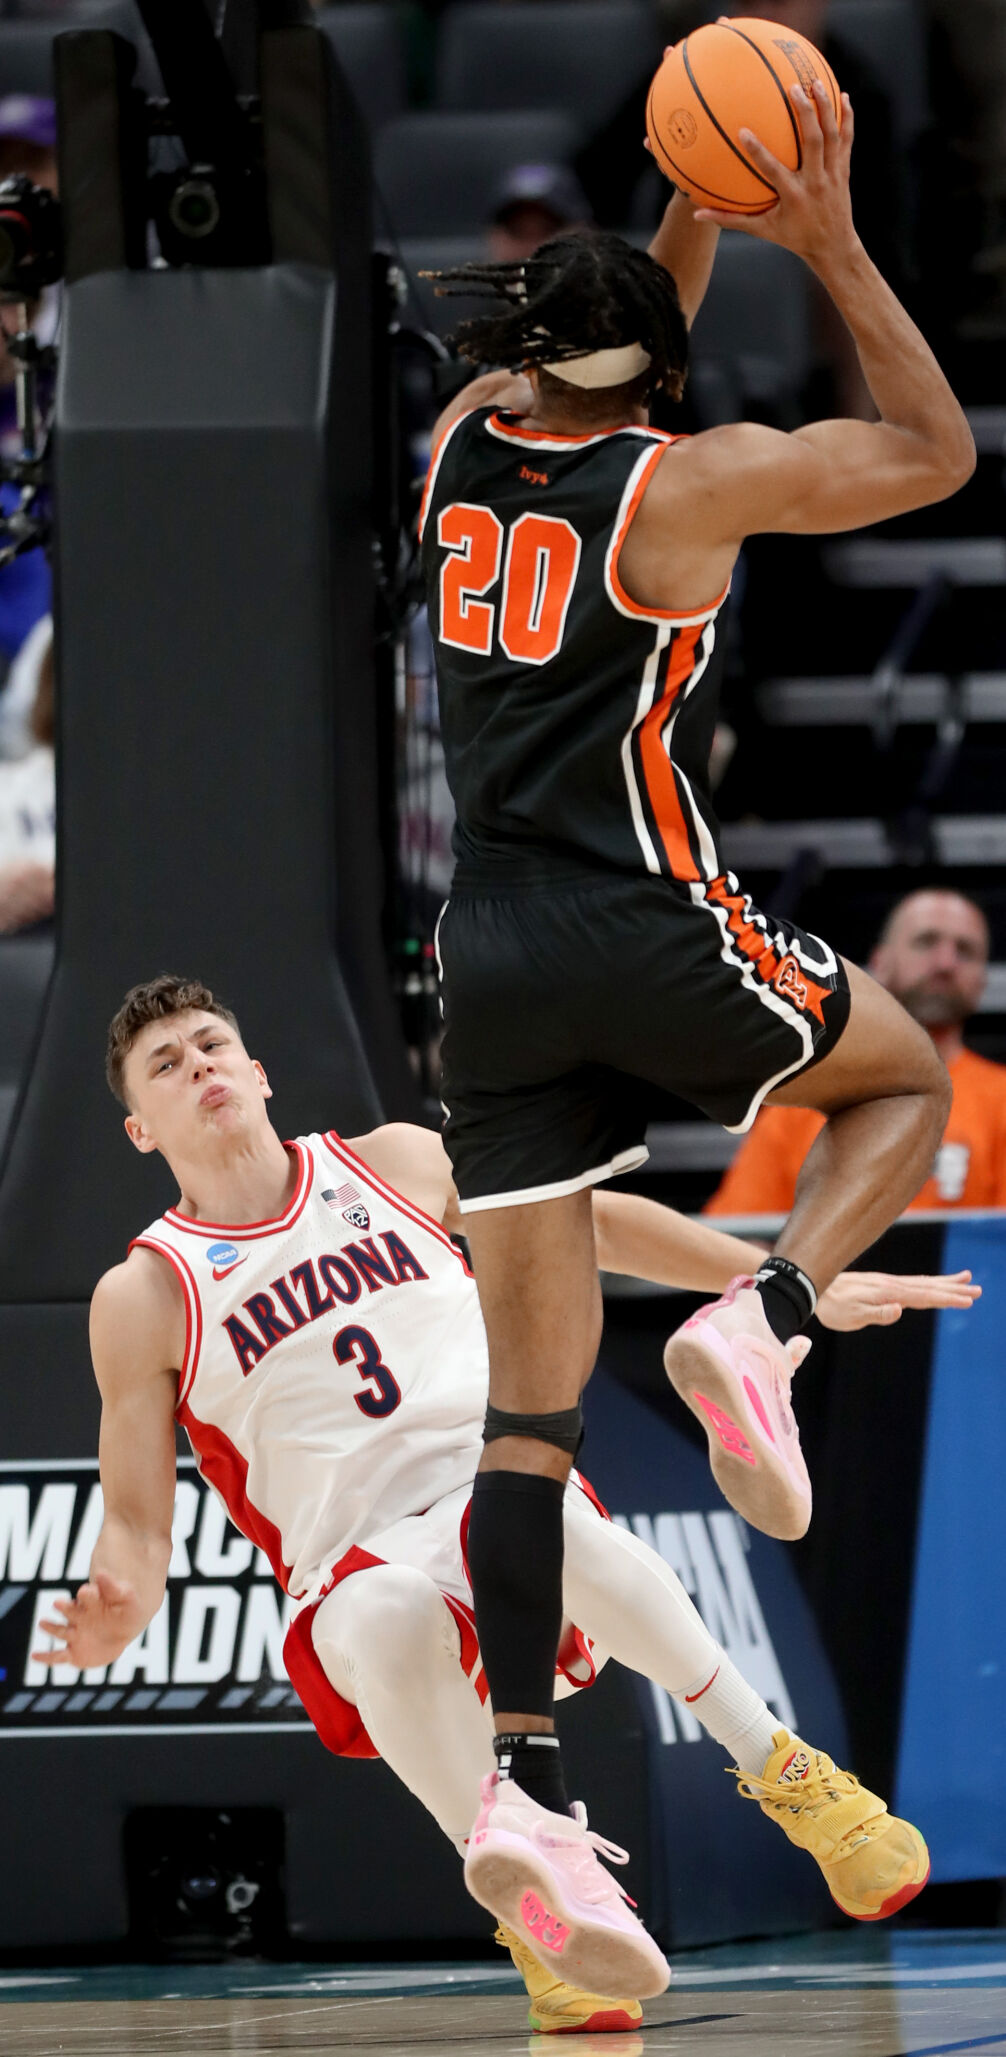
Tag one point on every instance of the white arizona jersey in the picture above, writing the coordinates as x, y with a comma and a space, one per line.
335, 1371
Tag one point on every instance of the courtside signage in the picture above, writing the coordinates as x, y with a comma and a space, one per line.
212, 1658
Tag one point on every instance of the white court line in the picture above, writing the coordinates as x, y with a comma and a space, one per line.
164, 1728
26, 1979
400, 1978
199, 2027
846, 1975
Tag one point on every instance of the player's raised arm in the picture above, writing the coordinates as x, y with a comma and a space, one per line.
646, 1240
137, 1330
686, 247
832, 475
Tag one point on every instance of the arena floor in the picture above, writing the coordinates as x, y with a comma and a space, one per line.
910, 1994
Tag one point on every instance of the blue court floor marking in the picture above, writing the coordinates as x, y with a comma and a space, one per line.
945, 2049
907, 1961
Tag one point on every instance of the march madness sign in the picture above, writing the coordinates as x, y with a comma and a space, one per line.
212, 1658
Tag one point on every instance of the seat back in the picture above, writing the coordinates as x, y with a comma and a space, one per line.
437, 172
367, 42
889, 36
586, 56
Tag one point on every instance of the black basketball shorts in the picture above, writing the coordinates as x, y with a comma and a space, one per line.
571, 1008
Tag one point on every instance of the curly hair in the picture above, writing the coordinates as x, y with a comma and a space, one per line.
583, 291
155, 1001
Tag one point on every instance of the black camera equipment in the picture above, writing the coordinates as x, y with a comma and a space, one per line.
192, 192
31, 247
31, 258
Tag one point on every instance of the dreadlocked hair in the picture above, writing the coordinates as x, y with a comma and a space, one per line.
584, 291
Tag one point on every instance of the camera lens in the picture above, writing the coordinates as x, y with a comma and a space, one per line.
194, 209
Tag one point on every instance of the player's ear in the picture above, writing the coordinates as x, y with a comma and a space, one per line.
138, 1135
264, 1087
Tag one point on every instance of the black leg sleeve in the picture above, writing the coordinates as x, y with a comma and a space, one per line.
515, 1552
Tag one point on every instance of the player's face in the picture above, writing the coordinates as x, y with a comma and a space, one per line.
934, 960
191, 1085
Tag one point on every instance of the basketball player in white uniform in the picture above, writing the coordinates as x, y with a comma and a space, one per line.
305, 1316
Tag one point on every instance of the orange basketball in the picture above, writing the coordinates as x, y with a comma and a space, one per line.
726, 77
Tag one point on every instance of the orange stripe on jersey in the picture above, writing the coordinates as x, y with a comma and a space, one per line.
434, 464
785, 974
632, 606
658, 771
506, 428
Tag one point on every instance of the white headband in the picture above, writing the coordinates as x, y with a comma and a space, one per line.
602, 367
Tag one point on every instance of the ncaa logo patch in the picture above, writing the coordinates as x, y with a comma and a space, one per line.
224, 1257
223, 1253
357, 1216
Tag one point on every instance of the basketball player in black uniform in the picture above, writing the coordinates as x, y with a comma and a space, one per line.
593, 947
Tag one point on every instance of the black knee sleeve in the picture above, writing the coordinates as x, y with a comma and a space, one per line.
564, 1429
515, 1551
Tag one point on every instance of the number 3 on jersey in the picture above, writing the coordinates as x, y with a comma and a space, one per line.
357, 1346
542, 559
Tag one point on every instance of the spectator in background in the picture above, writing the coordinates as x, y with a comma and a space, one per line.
27, 145
28, 817
532, 203
932, 954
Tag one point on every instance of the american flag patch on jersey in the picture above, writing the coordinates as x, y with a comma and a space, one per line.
349, 1199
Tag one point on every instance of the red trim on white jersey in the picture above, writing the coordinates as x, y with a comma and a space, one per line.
250, 1231
193, 1308
338, 1723
348, 1157
224, 1468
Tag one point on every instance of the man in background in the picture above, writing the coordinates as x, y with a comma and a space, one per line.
533, 202
932, 954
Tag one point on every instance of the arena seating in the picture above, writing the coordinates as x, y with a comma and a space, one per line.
437, 172
583, 55
26, 46
367, 40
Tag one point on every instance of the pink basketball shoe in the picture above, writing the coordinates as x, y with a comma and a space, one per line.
734, 1374
539, 1874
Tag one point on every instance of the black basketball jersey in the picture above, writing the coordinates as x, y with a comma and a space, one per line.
576, 724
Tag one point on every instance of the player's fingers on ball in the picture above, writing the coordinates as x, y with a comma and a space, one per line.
848, 125
761, 155
810, 130
825, 111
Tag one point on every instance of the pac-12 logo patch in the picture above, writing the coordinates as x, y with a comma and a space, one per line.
224, 1257
357, 1215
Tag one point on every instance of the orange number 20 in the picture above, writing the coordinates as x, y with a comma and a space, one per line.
542, 559
475, 539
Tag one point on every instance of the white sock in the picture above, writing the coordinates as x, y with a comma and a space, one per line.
735, 1714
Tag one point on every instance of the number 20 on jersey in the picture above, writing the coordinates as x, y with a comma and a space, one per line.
539, 556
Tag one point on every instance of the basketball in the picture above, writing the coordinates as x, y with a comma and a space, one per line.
725, 77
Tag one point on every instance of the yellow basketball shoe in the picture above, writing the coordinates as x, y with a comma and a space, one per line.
560, 2010
872, 1862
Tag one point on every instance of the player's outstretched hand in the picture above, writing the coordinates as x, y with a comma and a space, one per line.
813, 214
95, 1626
864, 1299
